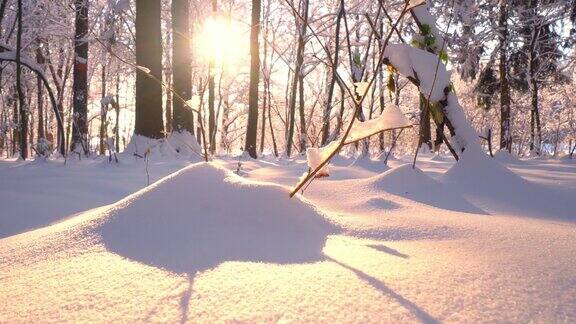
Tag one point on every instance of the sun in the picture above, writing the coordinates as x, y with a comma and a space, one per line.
222, 41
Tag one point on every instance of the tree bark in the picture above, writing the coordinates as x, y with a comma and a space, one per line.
80, 74
40, 97
533, 65
117, 127
505, 134
252, 127
425, 132
302, 112
297, 72
211, 95
266, 79
149, 121
23, 111
181, 65
332, 82
103, 113
274, 145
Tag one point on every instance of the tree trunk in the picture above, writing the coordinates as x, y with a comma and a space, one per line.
40, 97
340, 116
117, 127
297, 72
425, 132
224, 129
535, 128
301, 110
3, 121
332, 82
23, 111
103, 114
149, 121
439, 137
274, 146
382, 87
181, 65
211, 95
211, 110
263, 120
80, 86
505, 134
3, 6
15, 121
252, 127
169, 105
266, 78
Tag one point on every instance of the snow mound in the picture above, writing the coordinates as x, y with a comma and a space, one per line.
504, 156
141, 146
382, 156
203, 216
489, 184
175, 145
341, 160
442, 158
378, 203
367, 163
185, 143
412, 183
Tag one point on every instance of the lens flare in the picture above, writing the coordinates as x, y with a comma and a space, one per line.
222, 41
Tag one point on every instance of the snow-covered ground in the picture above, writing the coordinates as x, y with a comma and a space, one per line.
38, 193
367, 244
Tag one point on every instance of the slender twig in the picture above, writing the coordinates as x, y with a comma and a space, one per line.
392, 146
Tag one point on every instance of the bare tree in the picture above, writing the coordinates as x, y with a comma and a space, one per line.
252, 127
181, 64
23, 111
302, 23
80, 74
149, 122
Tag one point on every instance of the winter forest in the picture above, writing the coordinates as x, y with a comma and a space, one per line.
288, 161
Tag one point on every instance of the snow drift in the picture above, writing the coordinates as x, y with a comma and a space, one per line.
415, 185
177, 144
496, 189
504, 156
407, 262
203, 216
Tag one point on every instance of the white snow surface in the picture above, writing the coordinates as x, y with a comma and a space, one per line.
442, 242
38, 193
177, 144
185, 143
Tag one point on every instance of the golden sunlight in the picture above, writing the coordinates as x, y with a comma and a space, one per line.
222, 41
